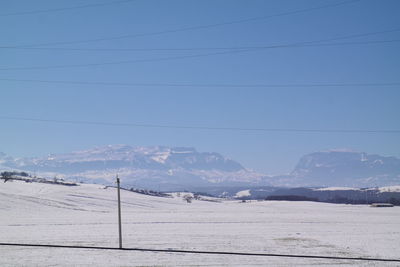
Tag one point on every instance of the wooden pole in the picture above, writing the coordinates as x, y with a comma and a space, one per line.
119, 214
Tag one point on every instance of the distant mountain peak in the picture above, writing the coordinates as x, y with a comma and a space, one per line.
146, 166
344, 150
173, 168
347, 168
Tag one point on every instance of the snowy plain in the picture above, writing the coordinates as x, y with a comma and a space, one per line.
86, 215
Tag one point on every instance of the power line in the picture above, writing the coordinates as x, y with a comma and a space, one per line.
64, 8
192, 28
189, 48
295, 44
205, 252
189, 127
216, 85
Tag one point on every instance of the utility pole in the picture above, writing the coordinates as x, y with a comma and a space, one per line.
119, 214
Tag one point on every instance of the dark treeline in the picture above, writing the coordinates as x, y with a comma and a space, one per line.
26, 177
7, 175
292, 198
336, 200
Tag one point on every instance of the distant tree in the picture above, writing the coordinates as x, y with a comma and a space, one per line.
196, 196
9, 175
6, 176
188, 198
203, 194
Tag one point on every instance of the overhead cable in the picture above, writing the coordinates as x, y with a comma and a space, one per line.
295, 44
206, 252
190, 127
58, 49
212, 85
58, 9
193, 28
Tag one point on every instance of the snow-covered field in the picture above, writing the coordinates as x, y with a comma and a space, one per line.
86, 215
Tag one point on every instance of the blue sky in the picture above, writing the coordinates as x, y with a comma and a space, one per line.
346, 107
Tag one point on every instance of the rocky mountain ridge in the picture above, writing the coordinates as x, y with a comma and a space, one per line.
184, 168
157, 167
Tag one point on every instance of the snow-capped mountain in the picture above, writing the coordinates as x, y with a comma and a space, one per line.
184, 168
346, 168
157, 167
123, 156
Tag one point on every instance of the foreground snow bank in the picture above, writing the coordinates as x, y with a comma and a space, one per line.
86, 215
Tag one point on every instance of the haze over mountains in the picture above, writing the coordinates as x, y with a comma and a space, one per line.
158, 167
347, 168
183, 168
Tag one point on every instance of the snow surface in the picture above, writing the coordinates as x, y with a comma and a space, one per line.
395, 188
244, 193
86, 215
336, 189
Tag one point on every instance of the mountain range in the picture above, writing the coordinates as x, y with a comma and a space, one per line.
346, 168
184, 168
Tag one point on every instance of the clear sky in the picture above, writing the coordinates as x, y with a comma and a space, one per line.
172, 24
